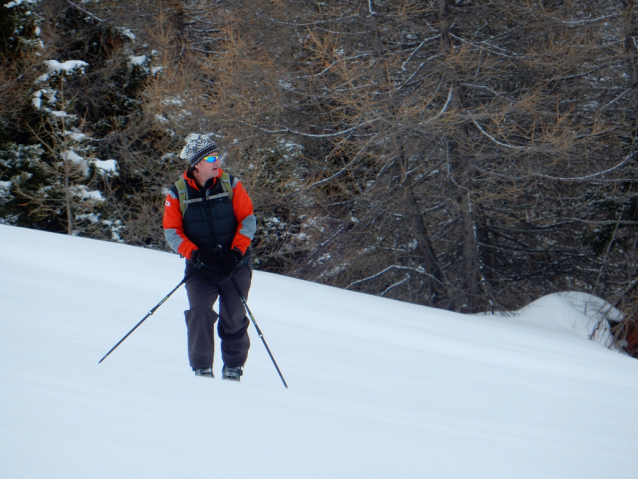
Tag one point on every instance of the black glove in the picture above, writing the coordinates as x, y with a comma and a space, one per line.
208, 256
229, 261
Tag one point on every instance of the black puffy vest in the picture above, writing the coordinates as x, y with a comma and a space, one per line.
211, 221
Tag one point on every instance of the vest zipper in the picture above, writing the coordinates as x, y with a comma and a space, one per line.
210, 216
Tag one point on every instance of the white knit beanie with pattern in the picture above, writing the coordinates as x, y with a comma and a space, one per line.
197, 147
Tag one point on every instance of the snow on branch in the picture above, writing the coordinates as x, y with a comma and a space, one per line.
506, 145
581, 22
371, 8
319, 22
491, 48
392, 286
85, 11
405, 268
418, 69
588, 177
417, 49
310, 135
616, 99
447, 103
561, 178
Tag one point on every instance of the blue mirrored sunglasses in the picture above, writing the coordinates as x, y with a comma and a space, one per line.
211, 159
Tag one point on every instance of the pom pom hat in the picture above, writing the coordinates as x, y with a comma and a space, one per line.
197, 147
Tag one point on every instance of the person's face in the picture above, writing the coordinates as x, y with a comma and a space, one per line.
206, 169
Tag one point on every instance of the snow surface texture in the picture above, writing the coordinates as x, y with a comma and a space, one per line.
378, 388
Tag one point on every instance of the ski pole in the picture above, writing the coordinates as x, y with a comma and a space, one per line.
261, 335
148, 314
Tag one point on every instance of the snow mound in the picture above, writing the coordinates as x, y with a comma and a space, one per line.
583, 314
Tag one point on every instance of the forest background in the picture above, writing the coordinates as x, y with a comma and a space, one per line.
471, 155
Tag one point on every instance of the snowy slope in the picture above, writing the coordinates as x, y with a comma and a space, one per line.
378, 388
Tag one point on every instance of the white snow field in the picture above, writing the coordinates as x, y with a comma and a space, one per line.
377, 388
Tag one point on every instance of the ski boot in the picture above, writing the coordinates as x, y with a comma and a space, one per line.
204, 372
232, 374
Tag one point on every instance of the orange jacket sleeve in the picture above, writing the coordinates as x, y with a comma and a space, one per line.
174, 227
246, 221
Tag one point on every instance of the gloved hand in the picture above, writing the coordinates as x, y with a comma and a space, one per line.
229, 261
208, 256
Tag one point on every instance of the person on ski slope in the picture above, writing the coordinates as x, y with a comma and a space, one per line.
209, 220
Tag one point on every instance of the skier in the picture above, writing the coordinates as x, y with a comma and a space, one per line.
209, 220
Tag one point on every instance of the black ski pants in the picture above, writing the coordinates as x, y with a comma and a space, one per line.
203, 289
